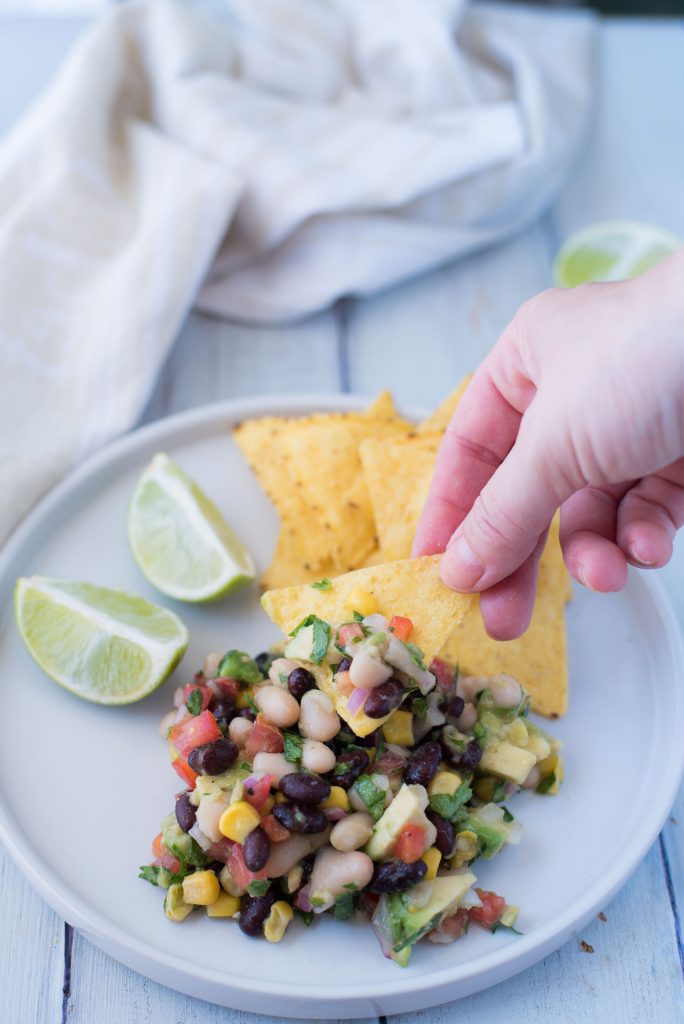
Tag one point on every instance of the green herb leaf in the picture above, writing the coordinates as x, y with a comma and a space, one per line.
499, 793
283, 677
507, 815
449, 805
245, 765
293, 747
372, 796
419, 707
352, 886
358, 617
307, 916
154, 875
323, 584
258, 888
238, 665
416, 654
194, 702
320, 637
316, 901
344, 906
546, 783
251, 703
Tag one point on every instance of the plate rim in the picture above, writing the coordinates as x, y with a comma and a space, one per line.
507, 960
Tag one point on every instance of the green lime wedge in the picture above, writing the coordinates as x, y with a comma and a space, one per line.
611, 251
180, 540
103, 645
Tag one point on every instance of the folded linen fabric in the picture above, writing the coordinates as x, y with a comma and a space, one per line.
258, 158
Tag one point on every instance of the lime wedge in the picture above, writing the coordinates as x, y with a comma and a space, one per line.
103, 645
611, 251
180, 540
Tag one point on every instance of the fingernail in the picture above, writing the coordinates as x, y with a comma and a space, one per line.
463, 566
638, 556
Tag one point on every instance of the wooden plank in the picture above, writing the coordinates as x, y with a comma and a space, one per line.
32, 947
422, 337
213, 359
632, 974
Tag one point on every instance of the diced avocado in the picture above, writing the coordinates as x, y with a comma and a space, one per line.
508, 762
407, 808
309, 641
238, 665
491, 834
409, 921
299, 647
181, 845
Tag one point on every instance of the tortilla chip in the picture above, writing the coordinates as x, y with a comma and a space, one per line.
398, 472
439, 420
411, 587
537, 659
289, 563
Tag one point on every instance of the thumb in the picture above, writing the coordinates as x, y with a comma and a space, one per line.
507, 519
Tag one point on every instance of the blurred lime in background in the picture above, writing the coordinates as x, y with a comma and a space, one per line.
611, 251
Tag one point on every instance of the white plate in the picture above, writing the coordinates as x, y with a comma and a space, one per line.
83, 788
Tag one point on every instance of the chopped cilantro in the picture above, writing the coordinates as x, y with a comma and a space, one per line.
251, 703
352, 886
372, 796
293, 747
194, 702
323, 584
449, 805
259, 887
419, 707
283, 677
546, 783
316, 901
307, 916
155, 875
245, 766
416, 654
344, 906
320, 637
507, 815
358, 617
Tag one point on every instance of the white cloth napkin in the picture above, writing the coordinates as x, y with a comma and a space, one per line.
259, 158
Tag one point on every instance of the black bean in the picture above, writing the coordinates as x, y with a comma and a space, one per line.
422, 764
264, 662
254, 910
348, 767
185, 812
453, 706
396, 876
446, 835
458, 753
304, 788
298, 818
213, 758
307, 865
384, 699
299, 682
256, 849
216, 866
343, 666
248, 714
223, 710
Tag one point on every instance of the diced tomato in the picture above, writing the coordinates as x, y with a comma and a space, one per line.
343, 684
220, 851
227, 687
451, 928
491, 910
349, 632
444, 674
168, 861
195, 732
265, 738
240, 873
276, 832
182, 768
401, 627
410, 845
257, 790
186, 691
158, 848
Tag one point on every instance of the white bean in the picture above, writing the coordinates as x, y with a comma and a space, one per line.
333, 873
285, 855
316, 757
318, 719
468, 687
382, 782
352, 832
467, 718
367, 672
277, 705
239, 730
211, 664
208, 814
273, 764
505, 691
281, 667
532, 780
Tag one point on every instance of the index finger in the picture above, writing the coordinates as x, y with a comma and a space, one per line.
480, 435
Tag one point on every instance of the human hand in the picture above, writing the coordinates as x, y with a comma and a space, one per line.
580, 405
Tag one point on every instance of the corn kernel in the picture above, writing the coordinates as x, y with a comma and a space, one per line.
294, 878
201, 888
432, 857
238, 820
224, 906
467, 846
362, 602
241, 700
444, 782
175, 907
399, 728
267, 806
277, 921
336, 798
280, 798
548, 764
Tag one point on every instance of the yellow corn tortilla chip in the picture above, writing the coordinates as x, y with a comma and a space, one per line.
537, 659
439, 420
398, 473
411, 587
289, 562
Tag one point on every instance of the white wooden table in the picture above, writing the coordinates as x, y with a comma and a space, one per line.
417, 339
